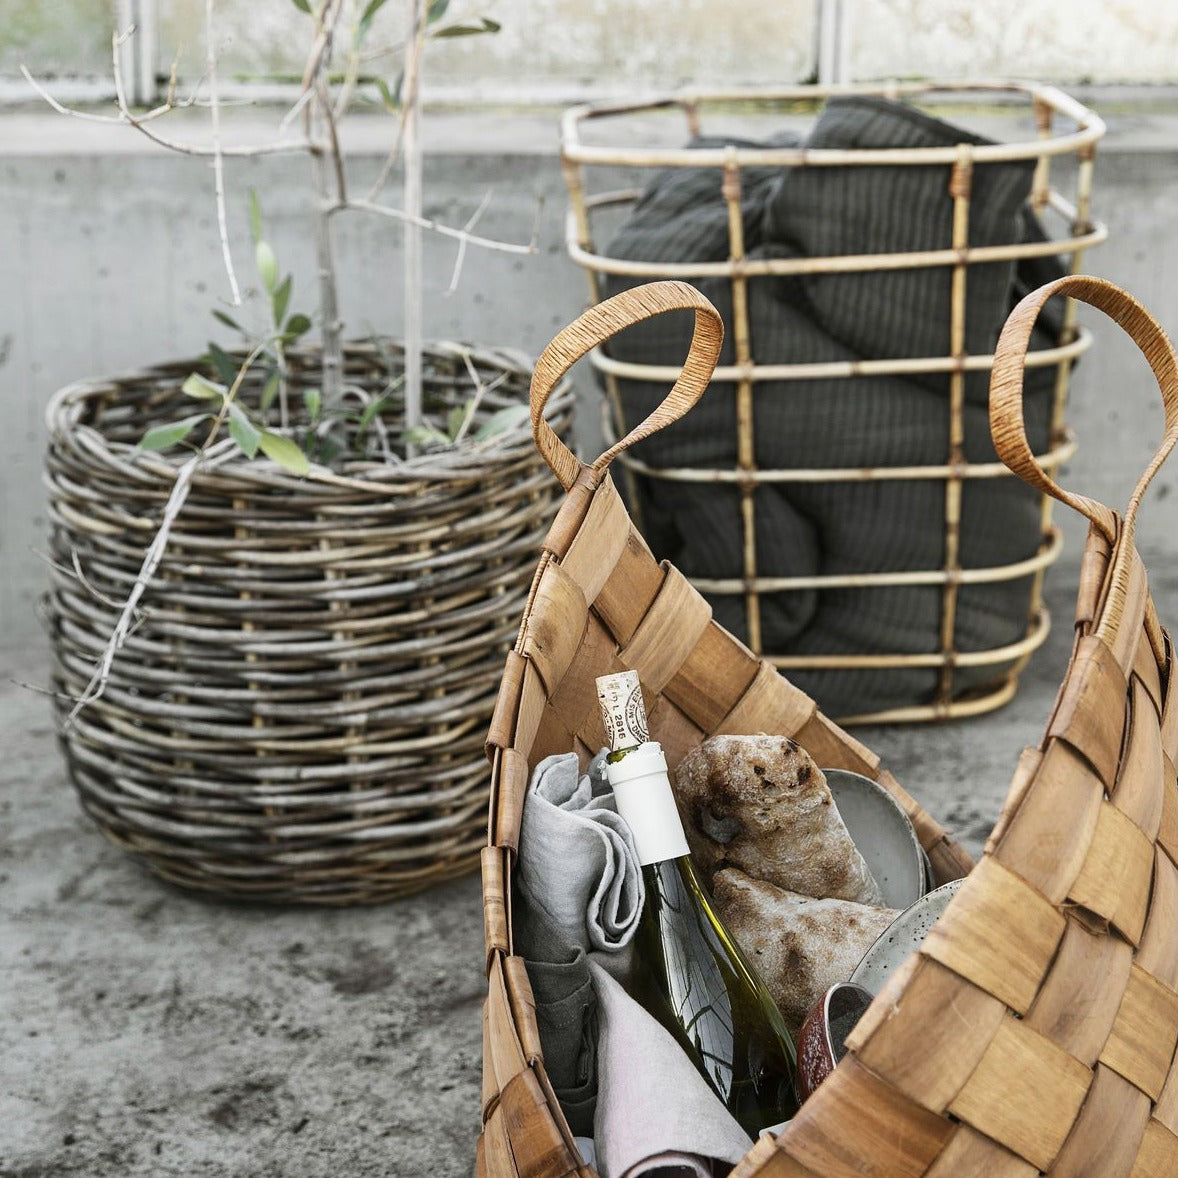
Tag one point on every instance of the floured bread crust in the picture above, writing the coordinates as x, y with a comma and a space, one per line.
799, 945
760, 804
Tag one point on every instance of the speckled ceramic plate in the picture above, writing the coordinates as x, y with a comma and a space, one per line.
902, 937
884, 835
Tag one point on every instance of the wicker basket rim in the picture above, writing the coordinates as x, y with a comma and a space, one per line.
472, 459
1090, 128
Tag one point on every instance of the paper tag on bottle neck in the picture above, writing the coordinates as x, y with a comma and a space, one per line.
622, 710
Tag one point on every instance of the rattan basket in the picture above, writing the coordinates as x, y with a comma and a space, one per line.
980, 605
298, 714
1035, 1030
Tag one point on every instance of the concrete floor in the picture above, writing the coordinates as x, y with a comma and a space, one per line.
144, 1031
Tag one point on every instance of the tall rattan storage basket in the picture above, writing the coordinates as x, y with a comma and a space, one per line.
906, 626
1035, 1030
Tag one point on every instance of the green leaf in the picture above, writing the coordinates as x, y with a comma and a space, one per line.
482, 25
371, 410
436, 10
425, 435
164, 436
243, 431
373, 7
269, 390
503, 420
228, 320
281, 299
455, 418
285, 452
203, 389
392, 101
302, 6
227, 368
267, 265
256, 215
296, 325
313, 400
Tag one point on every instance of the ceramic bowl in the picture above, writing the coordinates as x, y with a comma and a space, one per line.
822, 1039
902, 937
884, 835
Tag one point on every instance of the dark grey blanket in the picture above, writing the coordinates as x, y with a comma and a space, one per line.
811, 528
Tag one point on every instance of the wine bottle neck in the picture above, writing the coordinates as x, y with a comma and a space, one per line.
642, 793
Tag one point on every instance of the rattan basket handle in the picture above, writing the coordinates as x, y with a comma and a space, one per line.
594, 327
1006, 389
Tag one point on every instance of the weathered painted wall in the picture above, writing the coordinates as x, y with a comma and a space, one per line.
562, 48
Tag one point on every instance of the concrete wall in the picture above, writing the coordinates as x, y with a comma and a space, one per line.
111, 261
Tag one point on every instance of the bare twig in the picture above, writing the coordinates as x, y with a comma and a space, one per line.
337, 155
166, 107
390, 162
61, 696
204, 459
126, 118
416, 14
460, 256
351, 76
295, 111
480, 390
395, 214
231, 395
218, 158
316, 111
76, 573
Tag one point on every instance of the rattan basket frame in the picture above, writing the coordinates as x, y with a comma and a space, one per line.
1035, 1030
298, 714
582, 159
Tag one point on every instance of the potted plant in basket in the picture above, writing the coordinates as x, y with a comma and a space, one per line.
285, 575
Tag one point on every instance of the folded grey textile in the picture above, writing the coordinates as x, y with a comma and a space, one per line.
656, 1116
804, 529
566, 1012
577, 865
820, 212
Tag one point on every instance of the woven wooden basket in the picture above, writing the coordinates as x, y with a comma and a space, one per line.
1035, 1030
298, 714
937, 669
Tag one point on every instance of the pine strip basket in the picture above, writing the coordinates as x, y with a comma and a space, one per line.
605, 173
1035, 1030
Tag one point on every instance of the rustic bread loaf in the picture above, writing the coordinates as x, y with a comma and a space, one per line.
798, 944
760, 804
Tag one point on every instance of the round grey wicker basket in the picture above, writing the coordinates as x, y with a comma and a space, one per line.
298, 713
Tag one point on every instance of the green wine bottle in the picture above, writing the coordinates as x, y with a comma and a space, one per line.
687, 970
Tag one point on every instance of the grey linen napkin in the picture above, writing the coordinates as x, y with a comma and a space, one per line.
578, 887
566, 1012
577, 865
656, 1117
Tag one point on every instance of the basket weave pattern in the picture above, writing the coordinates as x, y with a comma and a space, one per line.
299, 713
962, 677
1035, 1031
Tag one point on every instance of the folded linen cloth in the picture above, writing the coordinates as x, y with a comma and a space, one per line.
656, 1116
566, 1012
577, 864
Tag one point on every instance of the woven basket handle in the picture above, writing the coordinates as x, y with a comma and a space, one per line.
1006, 390
597, 325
